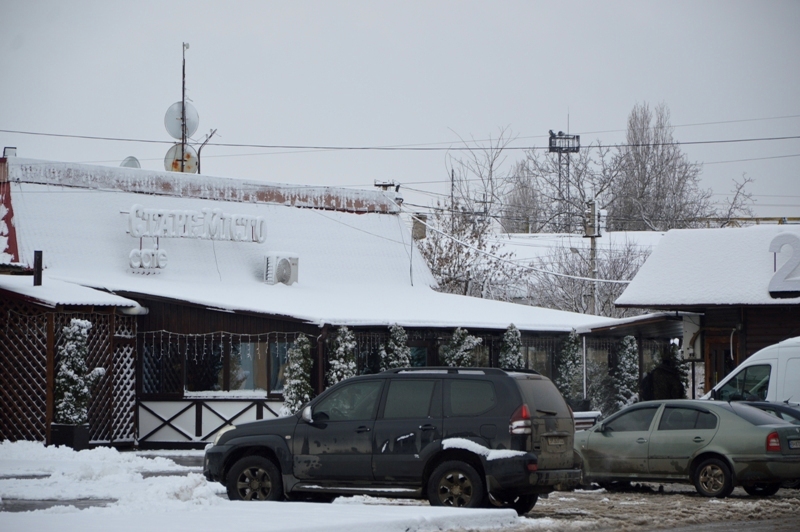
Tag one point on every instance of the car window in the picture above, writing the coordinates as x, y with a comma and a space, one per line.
751, 414
351, 402
543, 396
676, 418
633, 420
409, 399
471, 397
750, 384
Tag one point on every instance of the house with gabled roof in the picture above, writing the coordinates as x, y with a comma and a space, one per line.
743, 283
197, 285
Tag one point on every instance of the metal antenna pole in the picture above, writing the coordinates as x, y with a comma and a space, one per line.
183, 111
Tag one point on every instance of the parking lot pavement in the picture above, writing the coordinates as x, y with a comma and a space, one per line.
647, 507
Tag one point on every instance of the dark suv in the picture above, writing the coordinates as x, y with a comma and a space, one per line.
460, 437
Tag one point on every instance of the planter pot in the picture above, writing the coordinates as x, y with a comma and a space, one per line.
75, 436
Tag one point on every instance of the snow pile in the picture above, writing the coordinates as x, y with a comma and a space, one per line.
188, 502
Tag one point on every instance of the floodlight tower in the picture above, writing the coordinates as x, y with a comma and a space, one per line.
564, 144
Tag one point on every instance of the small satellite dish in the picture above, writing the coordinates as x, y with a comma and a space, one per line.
172, 120
172, 162
131, 162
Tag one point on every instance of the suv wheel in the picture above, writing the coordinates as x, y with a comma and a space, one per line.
254, 478
455, 483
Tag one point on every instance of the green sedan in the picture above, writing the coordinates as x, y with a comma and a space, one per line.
715, 445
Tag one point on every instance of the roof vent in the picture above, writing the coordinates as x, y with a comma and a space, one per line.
281, 269
9, 151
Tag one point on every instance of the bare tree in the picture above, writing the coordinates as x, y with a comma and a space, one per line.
539, 199
459, 251
464, 259
658, 188
571, 294
738, 204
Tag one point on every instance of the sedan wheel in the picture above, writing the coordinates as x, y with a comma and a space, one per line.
455, 483
254, 478
712, 478
762, 489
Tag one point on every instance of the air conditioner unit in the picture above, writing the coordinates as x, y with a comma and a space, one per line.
280, 269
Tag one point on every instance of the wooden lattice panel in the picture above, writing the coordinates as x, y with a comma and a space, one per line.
23, 372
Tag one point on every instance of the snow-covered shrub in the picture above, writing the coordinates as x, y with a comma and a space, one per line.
297, 389
511, 351
625, 374
73, 378
458, 352
395, 353
342, 363
569, 368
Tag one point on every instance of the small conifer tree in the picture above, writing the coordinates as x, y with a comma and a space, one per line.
343, 357
569, 368
73, 379
511, 351
458, 352
297, 389
395, 353
625, 374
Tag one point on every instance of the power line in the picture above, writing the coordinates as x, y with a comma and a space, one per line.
401, 148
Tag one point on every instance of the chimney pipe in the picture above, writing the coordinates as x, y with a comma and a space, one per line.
37, 268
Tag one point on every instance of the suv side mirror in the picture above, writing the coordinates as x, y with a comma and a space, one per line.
307, 415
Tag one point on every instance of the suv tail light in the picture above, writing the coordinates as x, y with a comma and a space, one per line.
520, 421
773, 443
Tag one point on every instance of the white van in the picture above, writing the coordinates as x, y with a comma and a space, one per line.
772, 374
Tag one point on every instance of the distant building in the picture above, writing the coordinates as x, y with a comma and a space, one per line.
743, 282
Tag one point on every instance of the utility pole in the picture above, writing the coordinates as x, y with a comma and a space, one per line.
592, 231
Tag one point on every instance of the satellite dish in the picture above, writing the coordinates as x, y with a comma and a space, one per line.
172, 162
131, 162
172, 120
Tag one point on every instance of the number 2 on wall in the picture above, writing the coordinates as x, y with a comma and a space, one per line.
780, 286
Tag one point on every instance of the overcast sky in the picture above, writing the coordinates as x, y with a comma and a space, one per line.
424, 73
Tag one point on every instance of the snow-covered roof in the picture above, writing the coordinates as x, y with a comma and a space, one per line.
706, 267
52, 292
355, 268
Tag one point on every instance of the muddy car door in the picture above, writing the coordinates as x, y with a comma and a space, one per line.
408, 429
680, 433
337, 444
618, 447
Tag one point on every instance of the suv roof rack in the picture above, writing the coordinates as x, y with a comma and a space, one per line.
451, 370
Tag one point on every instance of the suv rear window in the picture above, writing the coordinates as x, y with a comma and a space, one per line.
471, 397
543, 398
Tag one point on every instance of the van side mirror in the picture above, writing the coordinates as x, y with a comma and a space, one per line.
713, 394
601, 427
307, 415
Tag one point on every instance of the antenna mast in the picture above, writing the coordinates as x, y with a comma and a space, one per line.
183, 109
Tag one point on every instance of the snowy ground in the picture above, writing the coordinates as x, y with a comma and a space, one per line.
139, 500
144, 491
